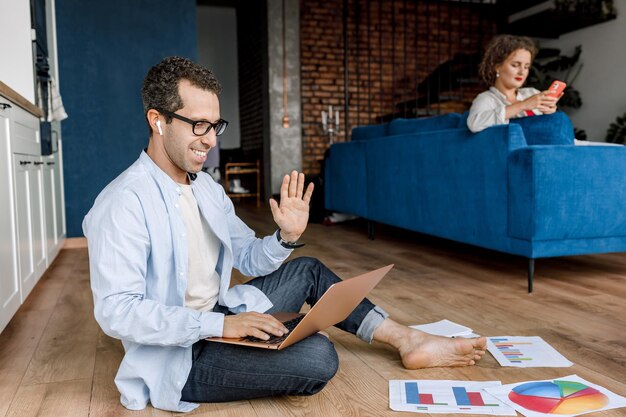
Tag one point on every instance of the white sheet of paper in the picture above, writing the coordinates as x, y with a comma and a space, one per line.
445, 328
525, 352
436, 397
566, 397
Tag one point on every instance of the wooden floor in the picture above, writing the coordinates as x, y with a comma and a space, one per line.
54, 360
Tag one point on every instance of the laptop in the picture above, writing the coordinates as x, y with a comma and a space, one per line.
334, 306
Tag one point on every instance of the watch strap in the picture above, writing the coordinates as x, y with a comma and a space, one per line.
287, 245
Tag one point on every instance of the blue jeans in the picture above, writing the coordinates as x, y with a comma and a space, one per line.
222, 372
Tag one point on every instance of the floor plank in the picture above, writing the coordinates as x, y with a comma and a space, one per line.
229, 409
67, 348
20, 338
67, 399
315, 405
53, 357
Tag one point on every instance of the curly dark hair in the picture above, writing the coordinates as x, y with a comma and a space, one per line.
499, 50
160, 87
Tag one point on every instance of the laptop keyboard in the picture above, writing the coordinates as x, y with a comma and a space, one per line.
289, 324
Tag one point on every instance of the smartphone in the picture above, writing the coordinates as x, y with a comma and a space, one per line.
556, 88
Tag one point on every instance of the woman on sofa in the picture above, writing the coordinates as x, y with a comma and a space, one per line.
504, 67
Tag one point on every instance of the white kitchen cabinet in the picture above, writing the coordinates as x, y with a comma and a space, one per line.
9, 281
25, 137
53, 205
32, 210
61, 227
30, 220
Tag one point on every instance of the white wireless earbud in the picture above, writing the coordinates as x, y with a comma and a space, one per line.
158, 123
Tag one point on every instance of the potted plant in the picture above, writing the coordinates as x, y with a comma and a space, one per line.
617, 131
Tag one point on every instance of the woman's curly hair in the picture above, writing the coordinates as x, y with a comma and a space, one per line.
499, 50
160, 87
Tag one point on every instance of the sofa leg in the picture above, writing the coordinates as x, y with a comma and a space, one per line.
531, 272
370, 230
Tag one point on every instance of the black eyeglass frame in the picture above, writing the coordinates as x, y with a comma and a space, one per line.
219, 126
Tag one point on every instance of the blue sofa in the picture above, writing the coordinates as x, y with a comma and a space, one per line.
522, 188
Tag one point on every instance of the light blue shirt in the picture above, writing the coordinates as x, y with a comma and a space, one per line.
138, 264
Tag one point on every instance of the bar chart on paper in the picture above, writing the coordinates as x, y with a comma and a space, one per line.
425, 396
525, 352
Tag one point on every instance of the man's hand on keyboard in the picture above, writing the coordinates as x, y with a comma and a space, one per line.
253, 324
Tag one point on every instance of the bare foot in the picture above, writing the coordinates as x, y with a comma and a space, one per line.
422, 350
426, 351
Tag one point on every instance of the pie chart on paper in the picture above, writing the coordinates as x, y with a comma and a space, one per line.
558, 397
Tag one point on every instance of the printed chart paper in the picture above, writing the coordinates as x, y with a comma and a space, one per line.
563, 397
428, 396
525, 352
445, 328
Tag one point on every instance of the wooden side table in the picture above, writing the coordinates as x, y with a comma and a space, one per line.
243, 168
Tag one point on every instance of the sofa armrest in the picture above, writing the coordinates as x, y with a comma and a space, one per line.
345, 178
567, 192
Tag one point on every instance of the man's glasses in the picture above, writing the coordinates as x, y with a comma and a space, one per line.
199, 127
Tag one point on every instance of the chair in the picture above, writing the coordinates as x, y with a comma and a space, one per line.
243, 168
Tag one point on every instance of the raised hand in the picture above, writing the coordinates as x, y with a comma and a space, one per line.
292, 214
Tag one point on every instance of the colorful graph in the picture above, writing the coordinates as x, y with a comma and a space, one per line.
460, 396
558, 397
525, 352
511, 350
446, 397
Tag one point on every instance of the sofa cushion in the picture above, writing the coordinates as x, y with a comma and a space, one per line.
463, 121
430, 124
549, 129
370, 132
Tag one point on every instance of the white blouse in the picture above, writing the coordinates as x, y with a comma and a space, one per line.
488, 108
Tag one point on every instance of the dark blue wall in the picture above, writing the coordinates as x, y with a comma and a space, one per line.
105, 49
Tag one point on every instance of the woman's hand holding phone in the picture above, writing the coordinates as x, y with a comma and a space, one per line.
548, 98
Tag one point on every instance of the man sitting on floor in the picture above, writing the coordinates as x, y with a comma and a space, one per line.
163, 238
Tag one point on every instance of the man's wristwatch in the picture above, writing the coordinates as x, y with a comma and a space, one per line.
287, 245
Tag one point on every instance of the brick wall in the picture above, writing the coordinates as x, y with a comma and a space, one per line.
392, 46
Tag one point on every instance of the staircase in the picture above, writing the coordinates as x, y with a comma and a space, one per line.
450, 87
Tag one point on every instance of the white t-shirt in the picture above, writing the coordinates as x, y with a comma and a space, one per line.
203, 282
488, 108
